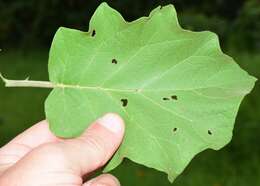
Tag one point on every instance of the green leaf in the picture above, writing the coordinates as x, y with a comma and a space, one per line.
176, 90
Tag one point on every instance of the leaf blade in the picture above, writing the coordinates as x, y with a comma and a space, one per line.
176, 90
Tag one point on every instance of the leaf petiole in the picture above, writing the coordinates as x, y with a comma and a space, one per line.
26, 83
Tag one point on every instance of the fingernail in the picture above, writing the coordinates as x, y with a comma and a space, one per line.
112, 122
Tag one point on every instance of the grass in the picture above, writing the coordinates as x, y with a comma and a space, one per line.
238, 164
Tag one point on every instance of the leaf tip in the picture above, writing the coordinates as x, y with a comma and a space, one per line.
104, 5
254, 79
104, 10
171, 178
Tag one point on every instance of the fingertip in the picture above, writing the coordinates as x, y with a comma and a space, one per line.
112, 122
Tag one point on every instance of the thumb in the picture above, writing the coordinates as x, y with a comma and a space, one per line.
97, 145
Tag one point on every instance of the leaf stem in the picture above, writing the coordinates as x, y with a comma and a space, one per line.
26, 83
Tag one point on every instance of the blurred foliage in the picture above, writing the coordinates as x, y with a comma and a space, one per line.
245, 31
32, 22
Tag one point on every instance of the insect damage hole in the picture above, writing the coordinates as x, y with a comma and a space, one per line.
174, 97
124, 102
209, 132
165, 99
114, 61
93, 33
174, 129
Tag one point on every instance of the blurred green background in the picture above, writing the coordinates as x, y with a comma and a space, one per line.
28, 26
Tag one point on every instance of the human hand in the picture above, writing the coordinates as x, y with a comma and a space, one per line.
37, 157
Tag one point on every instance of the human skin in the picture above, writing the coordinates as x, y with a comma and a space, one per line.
37, 157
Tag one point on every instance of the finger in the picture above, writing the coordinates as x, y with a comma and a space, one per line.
96, 146
16, 149
36, 135
68, 160
103, 180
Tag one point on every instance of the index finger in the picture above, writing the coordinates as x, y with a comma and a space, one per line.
25, 142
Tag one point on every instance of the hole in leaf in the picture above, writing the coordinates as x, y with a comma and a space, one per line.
114, 61
174, 97
124, 102
166, 99
174, 129
209, 132
93, 33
